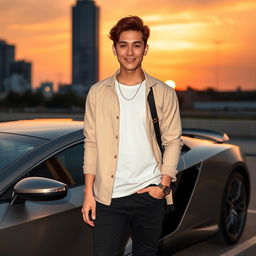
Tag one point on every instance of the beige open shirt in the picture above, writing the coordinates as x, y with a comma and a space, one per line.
101, 131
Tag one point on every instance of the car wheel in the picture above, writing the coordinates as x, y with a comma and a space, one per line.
233, 209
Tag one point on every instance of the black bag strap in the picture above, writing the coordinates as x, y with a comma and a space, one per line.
152, 106
155, 119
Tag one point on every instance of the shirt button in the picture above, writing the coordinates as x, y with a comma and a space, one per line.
117, 117
112, 176
116, 137
115, 156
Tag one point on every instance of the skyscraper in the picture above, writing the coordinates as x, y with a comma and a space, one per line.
22, 68
7, 56
85, 43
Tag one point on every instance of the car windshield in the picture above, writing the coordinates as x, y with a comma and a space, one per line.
13, 146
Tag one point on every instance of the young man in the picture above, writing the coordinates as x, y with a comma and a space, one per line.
126, 178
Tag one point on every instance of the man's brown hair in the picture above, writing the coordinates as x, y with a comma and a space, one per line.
129, 23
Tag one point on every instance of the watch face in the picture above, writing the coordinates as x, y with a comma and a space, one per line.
166, 190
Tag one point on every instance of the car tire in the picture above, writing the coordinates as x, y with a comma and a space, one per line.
233, 210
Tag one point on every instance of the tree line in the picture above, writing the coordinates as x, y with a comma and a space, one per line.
34, 99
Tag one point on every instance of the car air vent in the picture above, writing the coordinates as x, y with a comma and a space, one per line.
184, 149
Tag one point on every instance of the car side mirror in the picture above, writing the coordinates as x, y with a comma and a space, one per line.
38, 189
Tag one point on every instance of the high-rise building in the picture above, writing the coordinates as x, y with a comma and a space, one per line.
16, 83
23, 68
7, 56
85, 43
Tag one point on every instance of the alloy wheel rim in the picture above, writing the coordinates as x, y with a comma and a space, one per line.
235, 210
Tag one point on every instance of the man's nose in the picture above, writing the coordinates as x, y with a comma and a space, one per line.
129, 50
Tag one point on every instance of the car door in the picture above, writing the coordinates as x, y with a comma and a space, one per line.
50, 227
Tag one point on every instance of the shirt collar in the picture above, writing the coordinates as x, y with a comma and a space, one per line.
149, 81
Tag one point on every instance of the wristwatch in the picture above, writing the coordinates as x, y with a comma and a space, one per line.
166, 189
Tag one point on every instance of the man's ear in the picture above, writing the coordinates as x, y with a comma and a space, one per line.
114, 49
146, 50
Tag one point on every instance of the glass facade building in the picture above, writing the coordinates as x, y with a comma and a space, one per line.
85, 43
7, 56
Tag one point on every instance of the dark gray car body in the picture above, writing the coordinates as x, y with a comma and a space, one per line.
57, 228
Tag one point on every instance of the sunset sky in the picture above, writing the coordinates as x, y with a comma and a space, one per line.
182, 43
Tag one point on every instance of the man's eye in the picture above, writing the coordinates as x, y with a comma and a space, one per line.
137, 45
122, 45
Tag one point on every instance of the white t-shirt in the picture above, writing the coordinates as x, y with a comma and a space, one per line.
136, 165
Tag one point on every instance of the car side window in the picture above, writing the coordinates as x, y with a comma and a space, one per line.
66, 166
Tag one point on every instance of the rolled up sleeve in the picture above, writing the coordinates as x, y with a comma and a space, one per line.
90, 148
171, 132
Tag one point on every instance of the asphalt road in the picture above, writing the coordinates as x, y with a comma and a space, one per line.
247, 243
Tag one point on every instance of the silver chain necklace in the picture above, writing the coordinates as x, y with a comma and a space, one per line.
129, 99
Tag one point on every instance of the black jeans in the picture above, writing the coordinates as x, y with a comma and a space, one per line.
140, 213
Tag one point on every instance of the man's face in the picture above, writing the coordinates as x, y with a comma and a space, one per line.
130, 50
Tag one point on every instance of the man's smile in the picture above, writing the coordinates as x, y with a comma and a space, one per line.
129, 59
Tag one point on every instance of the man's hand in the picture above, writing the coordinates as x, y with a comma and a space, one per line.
154, 191
89, 208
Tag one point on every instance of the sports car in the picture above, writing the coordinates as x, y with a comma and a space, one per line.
42, 181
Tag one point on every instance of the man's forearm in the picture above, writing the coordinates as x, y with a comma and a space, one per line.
166, 180
89, 181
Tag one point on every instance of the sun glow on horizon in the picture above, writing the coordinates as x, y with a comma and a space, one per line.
171, 83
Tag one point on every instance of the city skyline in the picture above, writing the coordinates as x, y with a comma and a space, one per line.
15, 75
182, 42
